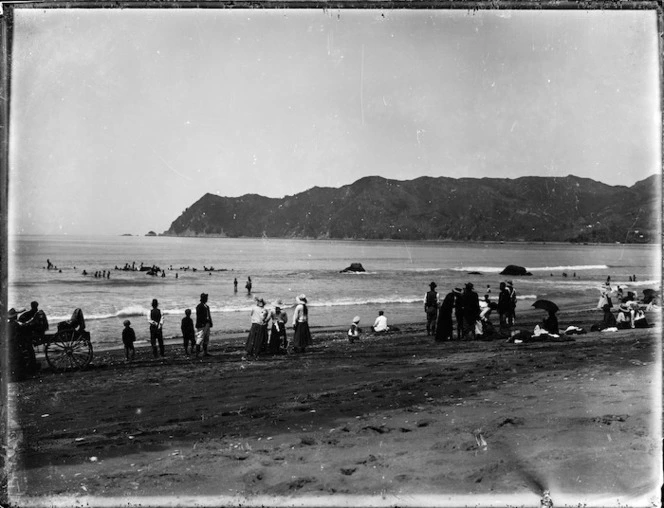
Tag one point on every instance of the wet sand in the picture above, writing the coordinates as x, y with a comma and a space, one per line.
394, 420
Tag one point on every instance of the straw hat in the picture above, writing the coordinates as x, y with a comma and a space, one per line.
301, 299
356, 319
457, 291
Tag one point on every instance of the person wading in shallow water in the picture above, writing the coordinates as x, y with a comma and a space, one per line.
431, 308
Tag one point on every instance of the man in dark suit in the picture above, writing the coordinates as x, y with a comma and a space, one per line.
203, 325
471, 310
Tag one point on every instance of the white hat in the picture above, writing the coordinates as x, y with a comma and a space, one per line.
301, 299
356, 319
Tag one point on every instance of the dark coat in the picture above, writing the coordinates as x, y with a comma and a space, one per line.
471, 304
504, 301
203, 315
187, 327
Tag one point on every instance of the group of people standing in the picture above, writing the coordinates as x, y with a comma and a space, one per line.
196, 336
471, 313
274, 320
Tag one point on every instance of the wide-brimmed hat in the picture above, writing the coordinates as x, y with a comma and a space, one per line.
126, 322
457, 291
301, 299
469, 285
356, 319
12, 313
277, 304
508, 282
433, 285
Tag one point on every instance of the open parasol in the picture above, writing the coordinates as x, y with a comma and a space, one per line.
546, 305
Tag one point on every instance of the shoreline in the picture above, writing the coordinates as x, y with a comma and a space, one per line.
391, 419
324, 239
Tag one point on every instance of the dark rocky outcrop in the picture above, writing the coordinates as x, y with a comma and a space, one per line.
527, 209
515, 270
354, 267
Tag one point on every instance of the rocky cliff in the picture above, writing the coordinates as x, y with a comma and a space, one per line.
464, 209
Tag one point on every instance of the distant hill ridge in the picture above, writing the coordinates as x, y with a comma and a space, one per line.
567, 209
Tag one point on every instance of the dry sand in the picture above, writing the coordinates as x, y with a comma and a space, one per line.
394, 420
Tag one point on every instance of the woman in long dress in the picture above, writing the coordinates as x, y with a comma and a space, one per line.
302, 335
445, 327
258, 331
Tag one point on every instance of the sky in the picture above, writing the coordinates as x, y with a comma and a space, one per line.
120, 119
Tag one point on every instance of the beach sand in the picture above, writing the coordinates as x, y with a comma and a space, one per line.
394, 420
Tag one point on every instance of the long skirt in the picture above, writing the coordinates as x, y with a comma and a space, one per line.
275, 339
302, 336
445, 327
257, 336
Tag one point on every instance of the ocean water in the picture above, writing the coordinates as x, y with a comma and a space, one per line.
397, 277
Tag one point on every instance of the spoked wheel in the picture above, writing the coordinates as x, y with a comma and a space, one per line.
68, 350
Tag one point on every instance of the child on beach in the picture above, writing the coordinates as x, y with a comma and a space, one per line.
128, 339
188, 332
354, 330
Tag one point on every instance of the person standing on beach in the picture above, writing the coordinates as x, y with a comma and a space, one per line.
511, 318
431, 308
278, 330
458, 311
471, 310
128, 339
203, 325
445, 327
188, 332
258, 331
504, 306
156, 321
302, 334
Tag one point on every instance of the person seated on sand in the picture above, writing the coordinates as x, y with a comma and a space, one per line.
380, 324
354, 330
625, 317
550, 324
486, 306
608, 320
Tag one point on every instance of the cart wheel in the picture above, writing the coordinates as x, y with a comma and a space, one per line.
68, 350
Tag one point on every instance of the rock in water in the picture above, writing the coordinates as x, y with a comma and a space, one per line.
354, 267
515, 270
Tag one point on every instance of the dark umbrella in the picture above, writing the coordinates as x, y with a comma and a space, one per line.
546, 305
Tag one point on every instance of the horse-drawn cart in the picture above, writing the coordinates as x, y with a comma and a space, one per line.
67, 349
